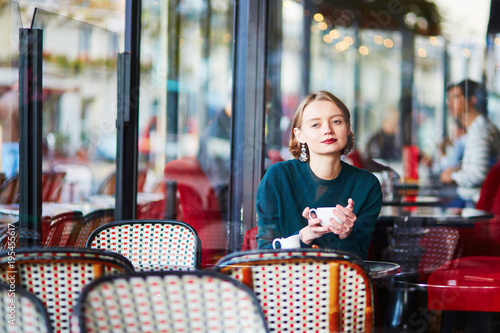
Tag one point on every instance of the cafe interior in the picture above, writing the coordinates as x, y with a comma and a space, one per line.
135, 135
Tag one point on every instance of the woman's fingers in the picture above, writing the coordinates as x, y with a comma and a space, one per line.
305, 213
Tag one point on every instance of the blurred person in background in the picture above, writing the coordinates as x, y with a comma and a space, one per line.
9, 119
382, 145
214, 154
215, 150
451, 150
467, 102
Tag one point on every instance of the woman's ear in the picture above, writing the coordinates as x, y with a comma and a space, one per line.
298, 135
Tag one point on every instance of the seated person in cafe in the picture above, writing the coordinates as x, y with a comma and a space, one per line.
466, 102
317, 177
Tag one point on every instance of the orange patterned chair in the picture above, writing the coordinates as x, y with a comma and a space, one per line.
306, 290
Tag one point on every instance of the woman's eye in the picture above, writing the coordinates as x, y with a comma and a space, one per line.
337, 122
315, 125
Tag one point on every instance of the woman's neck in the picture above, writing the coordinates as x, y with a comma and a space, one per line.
327, 167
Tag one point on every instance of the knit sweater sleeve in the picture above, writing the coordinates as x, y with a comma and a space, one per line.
267, 208
367, 217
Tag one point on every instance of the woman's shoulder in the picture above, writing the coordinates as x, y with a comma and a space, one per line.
284, 165
357, 173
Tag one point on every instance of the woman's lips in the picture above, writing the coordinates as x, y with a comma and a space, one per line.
329, 141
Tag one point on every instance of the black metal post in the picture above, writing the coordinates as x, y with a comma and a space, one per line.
247, 121
30, 137
173, 51
128, 115
405, 138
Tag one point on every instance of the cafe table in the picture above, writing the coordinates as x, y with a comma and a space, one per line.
412, 200
94, 203
381, 269
433, 215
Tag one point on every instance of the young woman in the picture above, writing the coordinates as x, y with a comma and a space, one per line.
317, 177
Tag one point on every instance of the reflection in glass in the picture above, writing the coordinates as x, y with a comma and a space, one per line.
186, 61
10, 23
79, 106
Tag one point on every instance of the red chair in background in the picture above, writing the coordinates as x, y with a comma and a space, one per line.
249, 241
9, 191
471, 284
52, 184
489, 198
484, 238
199, 207
108, 185
64, 229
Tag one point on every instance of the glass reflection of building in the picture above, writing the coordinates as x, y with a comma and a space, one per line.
386, 60
377, 57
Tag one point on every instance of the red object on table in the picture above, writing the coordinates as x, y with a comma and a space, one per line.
410, 162
466, 284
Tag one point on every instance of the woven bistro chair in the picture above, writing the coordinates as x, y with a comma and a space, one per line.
92, 221
64, 229
21, 311
306, 290
151, 244
201, 301
57, 275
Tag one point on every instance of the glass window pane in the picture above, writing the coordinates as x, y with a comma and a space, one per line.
79, 105
185, 109
10, 23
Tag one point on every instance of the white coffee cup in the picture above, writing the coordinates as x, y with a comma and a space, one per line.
324, 214
292, 242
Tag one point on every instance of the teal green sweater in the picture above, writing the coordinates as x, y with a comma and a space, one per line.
289, 187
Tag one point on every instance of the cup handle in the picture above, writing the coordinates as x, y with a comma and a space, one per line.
274, 242
313, 210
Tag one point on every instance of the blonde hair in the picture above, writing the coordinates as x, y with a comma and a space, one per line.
294, 145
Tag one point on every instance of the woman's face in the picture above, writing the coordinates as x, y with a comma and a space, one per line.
323, 128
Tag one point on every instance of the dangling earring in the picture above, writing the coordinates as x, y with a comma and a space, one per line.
303, 155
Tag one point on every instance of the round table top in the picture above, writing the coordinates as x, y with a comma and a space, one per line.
380, 269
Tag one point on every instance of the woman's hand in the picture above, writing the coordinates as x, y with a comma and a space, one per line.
348, 218
315, 230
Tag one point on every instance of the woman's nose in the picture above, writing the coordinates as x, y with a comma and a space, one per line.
328, 129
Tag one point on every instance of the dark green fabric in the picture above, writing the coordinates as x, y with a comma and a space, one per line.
289, 187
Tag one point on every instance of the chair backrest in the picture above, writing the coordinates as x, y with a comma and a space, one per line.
440, 245
9, 234
64, 229
259, 254
52, 184
108, 185
199, 206
9, 191
22, 312
57, 275
420, 250
91, 221
201, 301
79, 180
307, 290
150, 244
151, 210
490, 190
